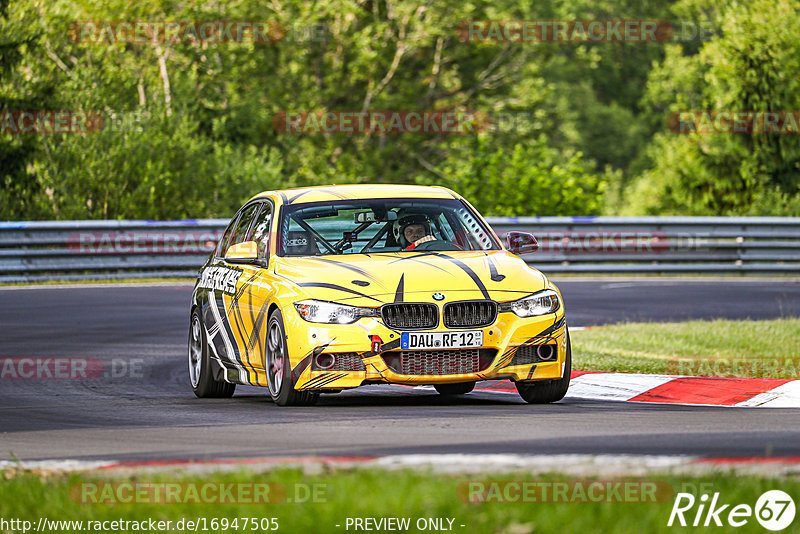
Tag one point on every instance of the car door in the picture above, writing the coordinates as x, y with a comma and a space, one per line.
225, 310
246, 311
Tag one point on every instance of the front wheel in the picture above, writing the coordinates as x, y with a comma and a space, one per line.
279, 369
546, 391
200, 374
460, 388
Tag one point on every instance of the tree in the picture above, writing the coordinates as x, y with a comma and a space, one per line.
751, 66
530, 179
19, 39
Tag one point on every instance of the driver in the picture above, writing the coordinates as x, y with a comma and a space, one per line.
411, 231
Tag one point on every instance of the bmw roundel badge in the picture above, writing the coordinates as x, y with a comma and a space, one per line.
438, 296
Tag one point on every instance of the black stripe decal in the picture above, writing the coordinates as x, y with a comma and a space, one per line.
377, 370
319, 190
300, 368
338, 288
398, 294
314, 380
237, 317
298, 195
322, 380
226, 324
334, 193
551, 329
495, 276
416, 257
318, 350
332, 379
236, 310
464, 267
353, 268
530, 373
256, 334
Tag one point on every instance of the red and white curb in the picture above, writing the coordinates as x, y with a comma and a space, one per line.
569, 464
708, 391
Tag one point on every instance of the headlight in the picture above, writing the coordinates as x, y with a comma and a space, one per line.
319, 311
541, 303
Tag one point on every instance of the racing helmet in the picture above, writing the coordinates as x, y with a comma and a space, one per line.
399, 226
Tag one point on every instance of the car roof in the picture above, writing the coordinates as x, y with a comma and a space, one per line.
358, 191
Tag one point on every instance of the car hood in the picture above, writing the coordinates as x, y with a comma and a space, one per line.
375, 279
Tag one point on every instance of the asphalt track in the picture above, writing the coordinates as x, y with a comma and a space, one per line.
149, 412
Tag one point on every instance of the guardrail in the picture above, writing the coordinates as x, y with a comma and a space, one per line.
77, 250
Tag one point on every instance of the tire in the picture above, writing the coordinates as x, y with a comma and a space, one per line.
459, 388
547, 391
200, 374
279, 370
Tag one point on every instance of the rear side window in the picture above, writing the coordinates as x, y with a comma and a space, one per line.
261, 229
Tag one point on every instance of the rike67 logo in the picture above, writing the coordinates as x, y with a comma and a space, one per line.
774, 510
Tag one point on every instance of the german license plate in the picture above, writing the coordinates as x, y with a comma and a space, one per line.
441, 340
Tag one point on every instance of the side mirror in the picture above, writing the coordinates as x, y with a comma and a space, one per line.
246, 252
521, 243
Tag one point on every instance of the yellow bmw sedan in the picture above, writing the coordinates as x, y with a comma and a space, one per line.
323, 289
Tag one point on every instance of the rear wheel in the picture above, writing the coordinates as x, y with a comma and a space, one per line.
546, 391
200, 373
459, 388
279, 369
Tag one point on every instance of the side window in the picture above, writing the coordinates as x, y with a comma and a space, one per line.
261, 229
240, 232
223, 241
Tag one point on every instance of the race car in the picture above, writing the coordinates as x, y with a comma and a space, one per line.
323, 289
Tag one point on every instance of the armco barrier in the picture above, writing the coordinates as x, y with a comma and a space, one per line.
75, 250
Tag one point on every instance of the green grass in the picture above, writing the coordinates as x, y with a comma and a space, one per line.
701, 348
373, 493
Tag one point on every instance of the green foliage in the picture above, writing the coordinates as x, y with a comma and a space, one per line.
198, 136
154, 168
19, 40
751, 66
529, 178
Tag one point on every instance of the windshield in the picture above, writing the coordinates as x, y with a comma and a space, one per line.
381, 225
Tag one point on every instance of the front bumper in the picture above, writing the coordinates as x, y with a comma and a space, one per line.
507, 342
